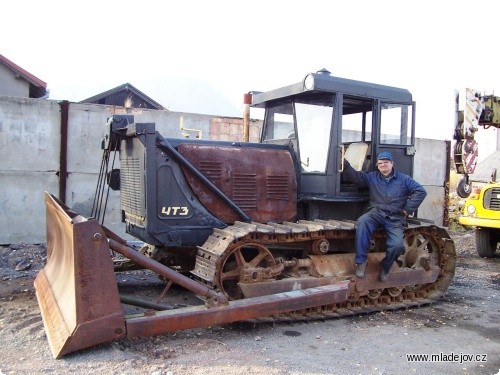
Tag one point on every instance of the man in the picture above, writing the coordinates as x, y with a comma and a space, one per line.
393, 196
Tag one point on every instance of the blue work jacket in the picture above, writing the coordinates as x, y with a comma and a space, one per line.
399, 192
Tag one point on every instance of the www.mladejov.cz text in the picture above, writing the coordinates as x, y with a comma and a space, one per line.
447, 357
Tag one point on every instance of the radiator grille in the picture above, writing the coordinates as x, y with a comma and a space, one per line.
277, 187
130, 186
245, 190
212, 170
492, 199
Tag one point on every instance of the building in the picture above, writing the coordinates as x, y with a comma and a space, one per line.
17, 82
126, 96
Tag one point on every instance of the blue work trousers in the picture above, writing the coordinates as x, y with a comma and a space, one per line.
370, 222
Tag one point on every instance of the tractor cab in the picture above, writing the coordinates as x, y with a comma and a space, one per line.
327, 120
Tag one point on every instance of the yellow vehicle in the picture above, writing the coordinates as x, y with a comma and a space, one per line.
482, 211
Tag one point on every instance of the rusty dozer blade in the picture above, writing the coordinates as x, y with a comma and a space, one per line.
80, 304
76, 290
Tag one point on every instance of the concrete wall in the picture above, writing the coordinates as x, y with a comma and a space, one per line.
29, 156
429, 171
12, 86
30, 138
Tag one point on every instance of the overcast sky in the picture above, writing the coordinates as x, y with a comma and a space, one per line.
202, 56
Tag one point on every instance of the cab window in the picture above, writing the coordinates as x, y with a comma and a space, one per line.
313, 125
396, 124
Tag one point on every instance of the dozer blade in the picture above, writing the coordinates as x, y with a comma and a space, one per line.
76, 290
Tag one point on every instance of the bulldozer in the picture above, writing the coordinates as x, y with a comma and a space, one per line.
257, 231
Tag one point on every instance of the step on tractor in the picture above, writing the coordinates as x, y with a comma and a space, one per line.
257, 231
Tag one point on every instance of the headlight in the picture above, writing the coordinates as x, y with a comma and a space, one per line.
309, 82
471, 209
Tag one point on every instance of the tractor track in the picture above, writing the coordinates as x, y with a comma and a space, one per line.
211, 256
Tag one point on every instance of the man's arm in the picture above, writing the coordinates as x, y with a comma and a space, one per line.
416, 196
352, 175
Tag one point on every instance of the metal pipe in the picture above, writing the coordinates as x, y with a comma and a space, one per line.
214, 298
130, 300
63, 154
247, 100
446, 205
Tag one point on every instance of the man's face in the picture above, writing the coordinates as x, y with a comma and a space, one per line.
384, 166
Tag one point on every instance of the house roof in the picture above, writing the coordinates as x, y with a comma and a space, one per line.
119, 94
38, 88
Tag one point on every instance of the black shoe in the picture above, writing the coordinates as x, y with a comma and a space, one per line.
360, 270
383, 275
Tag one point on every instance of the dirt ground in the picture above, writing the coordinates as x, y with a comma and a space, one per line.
466, 321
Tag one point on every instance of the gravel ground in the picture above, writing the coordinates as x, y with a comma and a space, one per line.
465, 321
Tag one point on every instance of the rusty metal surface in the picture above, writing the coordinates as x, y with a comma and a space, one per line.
280, 286
342, 267
261, 182
398, 278
174, 320
76, 290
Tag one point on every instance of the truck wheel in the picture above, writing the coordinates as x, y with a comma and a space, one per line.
463, 188
486, 243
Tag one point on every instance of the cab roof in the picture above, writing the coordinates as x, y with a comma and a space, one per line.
323, 82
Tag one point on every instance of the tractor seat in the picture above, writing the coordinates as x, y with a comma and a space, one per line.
356, 154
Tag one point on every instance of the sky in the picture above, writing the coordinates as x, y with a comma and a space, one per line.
202, 56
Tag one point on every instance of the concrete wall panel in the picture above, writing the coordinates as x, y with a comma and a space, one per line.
430, 162
29, 134
80, 197
432, 208
86, 129
430, 171
29, 161
22, 207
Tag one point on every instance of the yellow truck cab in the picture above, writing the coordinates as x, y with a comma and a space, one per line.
482, 211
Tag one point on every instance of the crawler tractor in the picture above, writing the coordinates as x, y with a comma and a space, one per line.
255, 230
